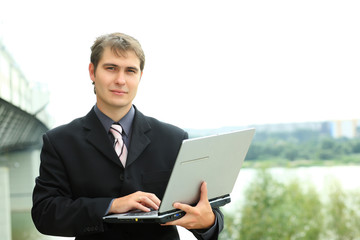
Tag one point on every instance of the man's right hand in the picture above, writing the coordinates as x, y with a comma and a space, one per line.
138, 200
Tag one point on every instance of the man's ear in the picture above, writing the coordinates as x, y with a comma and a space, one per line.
92, 72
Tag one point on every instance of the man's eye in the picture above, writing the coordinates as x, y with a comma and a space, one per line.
110, 68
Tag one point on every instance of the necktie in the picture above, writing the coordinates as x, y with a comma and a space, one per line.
119, 145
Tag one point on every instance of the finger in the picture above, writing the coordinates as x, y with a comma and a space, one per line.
154, 199
148, 202
186, 221
184, 207
141, 207
203, 194
179, 222
172, 223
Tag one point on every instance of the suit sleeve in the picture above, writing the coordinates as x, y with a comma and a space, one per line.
55, 211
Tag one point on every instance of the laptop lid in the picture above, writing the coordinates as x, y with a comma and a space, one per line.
214, 159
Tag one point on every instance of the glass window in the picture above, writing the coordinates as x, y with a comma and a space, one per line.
15, 87
4, 78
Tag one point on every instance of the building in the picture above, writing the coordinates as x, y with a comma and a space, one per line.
345, 128
22, 122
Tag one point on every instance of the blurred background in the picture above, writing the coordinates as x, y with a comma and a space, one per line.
288, 68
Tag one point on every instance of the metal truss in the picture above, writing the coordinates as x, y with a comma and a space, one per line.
19, 130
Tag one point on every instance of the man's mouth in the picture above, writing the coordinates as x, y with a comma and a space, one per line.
118, 92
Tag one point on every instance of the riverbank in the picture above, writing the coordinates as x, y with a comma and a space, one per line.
346, 160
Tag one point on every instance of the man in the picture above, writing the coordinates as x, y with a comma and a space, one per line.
113, 160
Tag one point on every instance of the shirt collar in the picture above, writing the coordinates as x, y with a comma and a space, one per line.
125, 122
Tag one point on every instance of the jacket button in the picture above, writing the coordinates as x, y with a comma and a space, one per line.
121, 177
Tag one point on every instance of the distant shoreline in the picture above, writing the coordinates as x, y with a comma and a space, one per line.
350, 160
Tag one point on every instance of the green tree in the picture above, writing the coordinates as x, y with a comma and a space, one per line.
277, 211
291, 152
356, 146
326, 149
343, 211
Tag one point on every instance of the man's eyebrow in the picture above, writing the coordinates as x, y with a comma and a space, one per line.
110, 64
133, 68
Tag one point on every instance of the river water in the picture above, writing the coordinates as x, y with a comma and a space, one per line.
319, 177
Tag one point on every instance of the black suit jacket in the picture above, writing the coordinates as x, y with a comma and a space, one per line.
80, 174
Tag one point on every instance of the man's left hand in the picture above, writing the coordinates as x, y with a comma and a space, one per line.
199, 217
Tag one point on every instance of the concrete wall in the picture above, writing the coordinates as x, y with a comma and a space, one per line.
5, 219
23, 169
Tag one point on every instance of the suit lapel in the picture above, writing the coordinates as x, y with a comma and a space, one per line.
98, 137
139, 139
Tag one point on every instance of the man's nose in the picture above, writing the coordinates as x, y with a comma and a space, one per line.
120, 78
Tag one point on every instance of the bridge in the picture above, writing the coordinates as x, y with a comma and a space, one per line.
23, 120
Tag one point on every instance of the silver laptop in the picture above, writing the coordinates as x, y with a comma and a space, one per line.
214, 159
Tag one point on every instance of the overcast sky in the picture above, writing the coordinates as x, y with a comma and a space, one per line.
208, 63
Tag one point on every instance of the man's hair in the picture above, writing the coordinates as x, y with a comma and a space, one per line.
119, 43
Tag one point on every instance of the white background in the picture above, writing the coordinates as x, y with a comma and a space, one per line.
208, 63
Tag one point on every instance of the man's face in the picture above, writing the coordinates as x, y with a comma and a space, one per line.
116, 80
